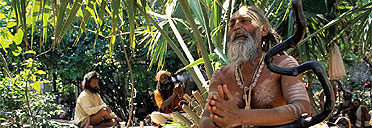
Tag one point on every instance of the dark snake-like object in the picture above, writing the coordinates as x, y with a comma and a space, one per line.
316, 67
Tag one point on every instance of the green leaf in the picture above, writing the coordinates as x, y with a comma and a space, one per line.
33, 20
172, 45
196, 9
2, 16
90, 8
80, 13
183, 45
30, 52
45, 81
60, 16
186, 9
71, 16
4, 43
11, 24
345, 7
201, 15
197, 62
101, 11
333, 22
33, 77
223, 56
99, 19
18, 37
83, 24
17, 51
131, 13
41, 72
115, 12
36, 85
45, 24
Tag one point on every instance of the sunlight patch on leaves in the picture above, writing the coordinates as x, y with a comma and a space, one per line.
18, 37
11, 24
17, 51
41, 72
36, 85
30, 52
2, 16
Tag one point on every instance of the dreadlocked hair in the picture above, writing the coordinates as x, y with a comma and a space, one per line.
272, 38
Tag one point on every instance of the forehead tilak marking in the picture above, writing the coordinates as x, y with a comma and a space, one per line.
250, 13
252, 16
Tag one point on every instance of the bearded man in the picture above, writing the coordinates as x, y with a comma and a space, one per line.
168, 95
246, 93
362, 115
90, 109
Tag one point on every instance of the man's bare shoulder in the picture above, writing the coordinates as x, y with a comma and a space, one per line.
220, 74
285, 60
225, 70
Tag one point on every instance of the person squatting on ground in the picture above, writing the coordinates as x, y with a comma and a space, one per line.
362, 115
168, 95
90, 109
246, 93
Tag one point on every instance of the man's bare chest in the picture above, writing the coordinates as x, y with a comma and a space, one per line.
266, 94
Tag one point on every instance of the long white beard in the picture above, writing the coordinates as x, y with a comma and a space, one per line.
241, 51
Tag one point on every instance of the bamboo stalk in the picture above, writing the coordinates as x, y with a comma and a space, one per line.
131, 12
199, 98
194, 104
178, 116
192, 114
207, 30
229, 12
187, 98
184, 47
186, 9
174, 47
198, 110
191, 101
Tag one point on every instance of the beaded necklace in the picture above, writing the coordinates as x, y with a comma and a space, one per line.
240, 81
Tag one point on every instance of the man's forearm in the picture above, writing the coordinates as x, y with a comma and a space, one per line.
93, 110
269, 117
168, 101
206, 122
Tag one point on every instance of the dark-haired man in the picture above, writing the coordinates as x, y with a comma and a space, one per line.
362, 115
90, 109
167, 95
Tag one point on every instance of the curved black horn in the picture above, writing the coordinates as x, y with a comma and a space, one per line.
316, 67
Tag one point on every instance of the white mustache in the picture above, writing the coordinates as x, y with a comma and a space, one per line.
241, 51
237, 32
